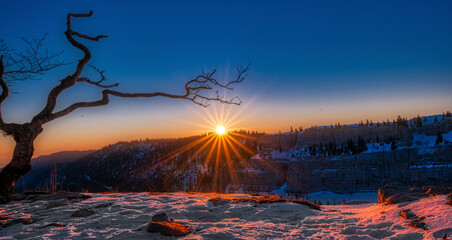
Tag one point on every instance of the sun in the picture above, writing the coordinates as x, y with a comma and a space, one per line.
220, 130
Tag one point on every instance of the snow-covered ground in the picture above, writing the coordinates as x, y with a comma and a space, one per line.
337, 198
126, 216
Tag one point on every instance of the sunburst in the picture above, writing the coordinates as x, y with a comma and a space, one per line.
220, 151
220, 130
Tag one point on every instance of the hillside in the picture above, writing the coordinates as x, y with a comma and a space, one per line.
340, 159
183, 164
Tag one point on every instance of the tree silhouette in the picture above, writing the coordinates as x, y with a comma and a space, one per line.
439, 138
34, 61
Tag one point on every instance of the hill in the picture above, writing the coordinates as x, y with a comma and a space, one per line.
341, 159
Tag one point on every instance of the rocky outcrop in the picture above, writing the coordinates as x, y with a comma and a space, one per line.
415, 221
390, 194
418, 224
162, 223
436, 190
408, 214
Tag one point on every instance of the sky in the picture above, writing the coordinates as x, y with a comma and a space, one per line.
312, 62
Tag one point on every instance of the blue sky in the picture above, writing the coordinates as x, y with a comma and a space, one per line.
311, 61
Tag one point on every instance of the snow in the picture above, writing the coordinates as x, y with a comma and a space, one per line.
431, 119
422, 140
375, 147
282, 191
447, 136
275, 154
432, 166
425, 144
337, 198
130, 213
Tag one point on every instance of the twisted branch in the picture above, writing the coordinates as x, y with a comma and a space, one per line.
5, 90
192, 89
98, 83
69, 81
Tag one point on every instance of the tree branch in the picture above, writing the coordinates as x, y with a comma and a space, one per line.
193, 90
33, 61
5, 90
5, 127
98, 83
88, 37
69, 81
84, 79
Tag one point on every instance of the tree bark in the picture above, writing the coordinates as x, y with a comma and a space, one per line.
20, 164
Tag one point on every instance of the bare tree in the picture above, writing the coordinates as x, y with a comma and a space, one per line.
32, 62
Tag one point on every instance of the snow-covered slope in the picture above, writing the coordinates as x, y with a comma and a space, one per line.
126, 216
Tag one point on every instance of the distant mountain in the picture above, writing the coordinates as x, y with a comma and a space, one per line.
42, 165
59, 157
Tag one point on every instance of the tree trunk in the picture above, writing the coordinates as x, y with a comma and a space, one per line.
20, 164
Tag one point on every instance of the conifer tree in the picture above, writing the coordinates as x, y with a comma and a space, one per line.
439, 138
418, 121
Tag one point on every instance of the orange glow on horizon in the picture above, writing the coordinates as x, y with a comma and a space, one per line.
97, 129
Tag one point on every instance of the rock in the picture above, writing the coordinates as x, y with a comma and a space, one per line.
408, 214
83, 213
415, 221
162, 223
161, 217
400, 197
390, 194
449, 199
435, 190
418, 224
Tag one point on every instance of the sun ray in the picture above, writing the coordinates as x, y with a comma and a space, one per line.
164, 159
219, 151
231, 120
230, 145
196, 153
243, 146
244, 136
216, 168
229, 163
